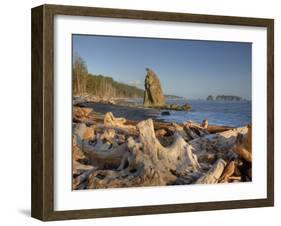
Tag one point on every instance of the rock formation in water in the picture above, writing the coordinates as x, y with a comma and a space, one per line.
210, 97
153, 95
229, 98
225, 98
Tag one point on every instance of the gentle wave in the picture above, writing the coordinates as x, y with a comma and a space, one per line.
227, 113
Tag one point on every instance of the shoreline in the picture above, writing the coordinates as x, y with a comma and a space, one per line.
114, 152
134, 115
129, 112
137, 112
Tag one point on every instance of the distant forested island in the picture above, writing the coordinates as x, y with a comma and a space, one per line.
225, 98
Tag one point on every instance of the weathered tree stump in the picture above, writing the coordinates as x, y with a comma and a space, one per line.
147, 162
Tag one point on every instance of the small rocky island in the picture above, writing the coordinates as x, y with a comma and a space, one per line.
210, 97
154, 96
229, 98
224, 98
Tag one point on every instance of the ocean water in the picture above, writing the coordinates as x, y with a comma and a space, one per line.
227, 113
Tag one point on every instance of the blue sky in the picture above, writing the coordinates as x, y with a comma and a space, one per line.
188, 68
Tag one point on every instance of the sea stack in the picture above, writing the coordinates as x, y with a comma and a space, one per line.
210, 97
153, 95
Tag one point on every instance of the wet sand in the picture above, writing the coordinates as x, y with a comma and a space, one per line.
128, 112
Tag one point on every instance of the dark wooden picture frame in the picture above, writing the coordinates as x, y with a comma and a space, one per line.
42, 203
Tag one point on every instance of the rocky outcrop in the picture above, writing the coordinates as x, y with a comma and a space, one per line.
225, 98
176, 107
210, 97
229, 98
153, 95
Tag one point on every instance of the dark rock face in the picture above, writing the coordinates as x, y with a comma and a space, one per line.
177, 107
210, 97
153, 95
165, 113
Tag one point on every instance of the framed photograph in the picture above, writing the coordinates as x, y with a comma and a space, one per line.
142, 112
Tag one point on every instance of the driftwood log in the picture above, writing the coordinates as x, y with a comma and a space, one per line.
94, 118
105, 159
110, 120
214, 174
228, 172
147, 162
213, 146
115, 152
80, 182
243, 146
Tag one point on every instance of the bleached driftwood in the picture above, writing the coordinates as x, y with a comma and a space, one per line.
78, 168
125, 154
127, 131
205, 123
105, 140
243, 146
228, 171
108, 135
147, 162
213, 175
180, 130
190, 133
105, 159
243, 152
217, 143
195, 130
235, 178
110, 120
218, 129
160, 133
77, 153
248, 139
84, 132
179, 151
77, 181
81, 112
117, 124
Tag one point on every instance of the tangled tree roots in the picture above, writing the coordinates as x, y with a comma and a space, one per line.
117, 154
147, 162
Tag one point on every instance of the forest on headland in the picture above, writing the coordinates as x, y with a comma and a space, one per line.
99, 85
102, 86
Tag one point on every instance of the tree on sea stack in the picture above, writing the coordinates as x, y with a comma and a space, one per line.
153, 95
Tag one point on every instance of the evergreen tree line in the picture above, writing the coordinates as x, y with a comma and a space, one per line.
99, 85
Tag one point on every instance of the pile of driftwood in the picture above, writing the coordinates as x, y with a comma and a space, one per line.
113, 152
